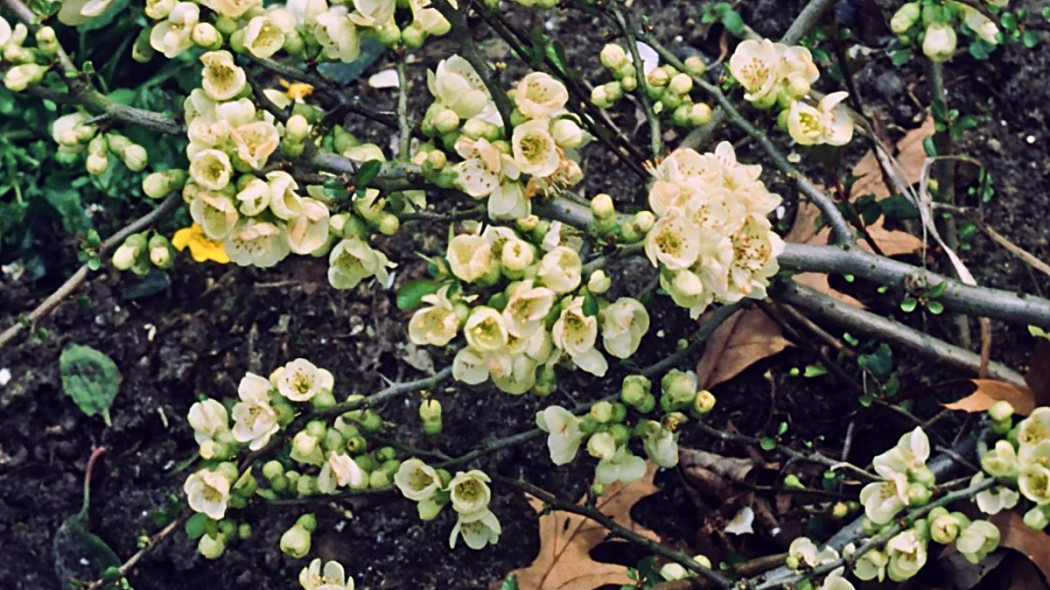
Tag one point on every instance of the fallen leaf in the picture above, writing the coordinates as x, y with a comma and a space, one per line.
741, 523
741, 341
566, 541
990, 391
910, 155
1015, 534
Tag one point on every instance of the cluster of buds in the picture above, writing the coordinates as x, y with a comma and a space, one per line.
539, 158
669, 89
609, 427
468, 493
142, 252
324, 456
539, 310
712, 240
26, 66
1022, 460
932, 24
211, 492
804, 555
775, 75
75, 133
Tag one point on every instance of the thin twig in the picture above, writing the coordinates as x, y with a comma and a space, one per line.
72, 283
403, 125
656, 136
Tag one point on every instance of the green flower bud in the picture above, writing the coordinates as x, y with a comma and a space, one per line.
792, 481
211, 547
647, 405
634, 389
599, 282
206, 35
905, 17
629, 83
446, 121
159, 184
1037, 518
658, 77
295, 542
680, 84
944, 528
272, 469
922, 475
430, 409
620, 433
125, 256
695, 65
613, 56
476, 129
597, 489
678, 388
839, 510
1001, 411
378, 479
602, 412
244, 531
306, 485
161, 253
389, 34
96, 164
567, 133
432, 427
20, 77
297, 128
429, 509
308, 521
918, 494
602, 206
370, 422
703, 403
141, 50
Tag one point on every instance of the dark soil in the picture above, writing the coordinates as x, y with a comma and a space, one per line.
214, 323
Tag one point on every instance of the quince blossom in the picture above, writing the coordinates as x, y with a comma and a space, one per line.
332, 577
255, 420
436, 324
352, 261
827, 123
338, 471
469, 492
564, 434
301, 380
623, 325
416, 480
478, 529
576, 333
208, 491
907, 554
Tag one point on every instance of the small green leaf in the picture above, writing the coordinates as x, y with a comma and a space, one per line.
782, 428
935, 307
1030, 38
866, 400
590, 305
91, 378
850, 339
511, 583
411, 294
815, 371
938, 290
929, 147
368, 171
909, 304
195, 525
733, 22
767, 444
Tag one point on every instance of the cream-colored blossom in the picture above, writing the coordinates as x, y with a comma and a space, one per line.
300, 380
576, 333
263, 36
211, 169
478, 529
457, 85
561, 270
907, 554
977, 540
527, 308
173, 35
564, 434
755, 251
485, 330
436, 324
309, 231
622, 466
255, 420
673, 242
254, 197
352, 261
428, 18
373, 14
337, 34
216, 214
416, 480
332, 577
808, 555
660, 444
254, 242
208, 419
285, 203
871, 566
540, 96
255, 142
623, 325
231, 8
883, 500
940, 41
469, 491
339, 471
756, 64
535, 150
469, 257
78, 12
222, 79
1035, 428
208, 492
828, 123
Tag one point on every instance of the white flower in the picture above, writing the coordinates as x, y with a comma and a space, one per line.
977, 540
300, 380
484, 330
940, 41
436, 324
561, 270
469, 491
5, 31
211, 169
473, 367
173, 35
416, 480
535, 150
564, 434
337, 34
660, 444
1035, 428
222, 79
428, 18
828, 123
309, 231
883, 500
673, 242
907, 555
256, 243
255, 142
985, 28
216, 214
756, 65
255, 420
576, 333
208, 419
871, 565
806, 552
509, 201
373, 13
477, 529
457, 85
1002, 460
469, 257
352, 261
622, 466
623, 325
836, 582
540, 96
527, 308
755, 250
909, 454
263, 36
339, 471
332, 577
208, 492
995, 499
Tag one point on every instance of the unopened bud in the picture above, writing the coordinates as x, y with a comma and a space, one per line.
680, 84
613, 56
295, 542
602, 206
695, 65
297, 128
159, 184
599, 282
1001, 411
134, 157
206, 35
160, 252
602, 412
446, 121
20, 77
430, 409
567, 133
905, 17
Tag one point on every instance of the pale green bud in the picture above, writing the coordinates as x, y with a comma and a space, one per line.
125, 256
602, 206
212, 547
389, 34
680, 84
135, 157
695, 65
599, 282
295, 542
272, 469
658, 77
47, 41
476, 128
1037, 518
159, 184
206, 35
378, 479
1001, 411
601, 98
699, 114
918, 494
703, 403
160, 252
567, 133
634, 390
940, 42
446, 121
613, 56
20, 77
944, 528
297, 128
905, 17
430, 409
141, 50
629, 83
602, 411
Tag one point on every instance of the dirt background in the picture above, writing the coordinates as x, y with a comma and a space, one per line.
214, 323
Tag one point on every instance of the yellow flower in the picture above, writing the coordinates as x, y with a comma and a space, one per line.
297, 91
201, 248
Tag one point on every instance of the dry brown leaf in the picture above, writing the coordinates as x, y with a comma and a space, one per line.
990, 391
566, 540
910, 155
741, 341
1016, 535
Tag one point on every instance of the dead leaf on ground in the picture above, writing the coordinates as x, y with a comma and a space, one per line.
741, 341
566, 541
990, 391
1016, 535
910, 155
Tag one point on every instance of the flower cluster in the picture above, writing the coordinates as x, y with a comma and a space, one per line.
609, 427
539, 158
321, 458
803, 554
75, 133
540, 316
1023, 458
669, 89
468, 493
933, 26
332, 577
26, 66
712, 240
776, 75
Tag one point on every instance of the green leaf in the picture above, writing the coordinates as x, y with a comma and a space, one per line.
511, 583
935, 307
900, 57
411, 294
91, 378
938, 290
981, 50
909, 304
767, 444
733, 23
814, 371
367, 172
929, 147
195, 525
1030, 38
590, 305
880, 362
782, 428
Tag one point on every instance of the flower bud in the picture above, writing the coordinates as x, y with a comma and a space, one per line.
430, 409
601, 445
638, 225
476, 128
599, 282
160, 252
940, 42
1001, 411
615, 90
840, 510
680, 84
567, 133
304, 444
679, 388
516, 256
297, 128
602, 206
272, 469
446, 121
634, 390
295, 542
134, 157
922, 475
378, 479
20, 77
703, 403
944, 528
793, 482
1037, 518
602, 412
905, 17
600, 97
125, 256
159, 184
436, 159
629, 83
212, 547
673, 571
658, 77
429, 509
695, 65
918, 494
613, 56
597, 489
47, 41
699, 114
206, 35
